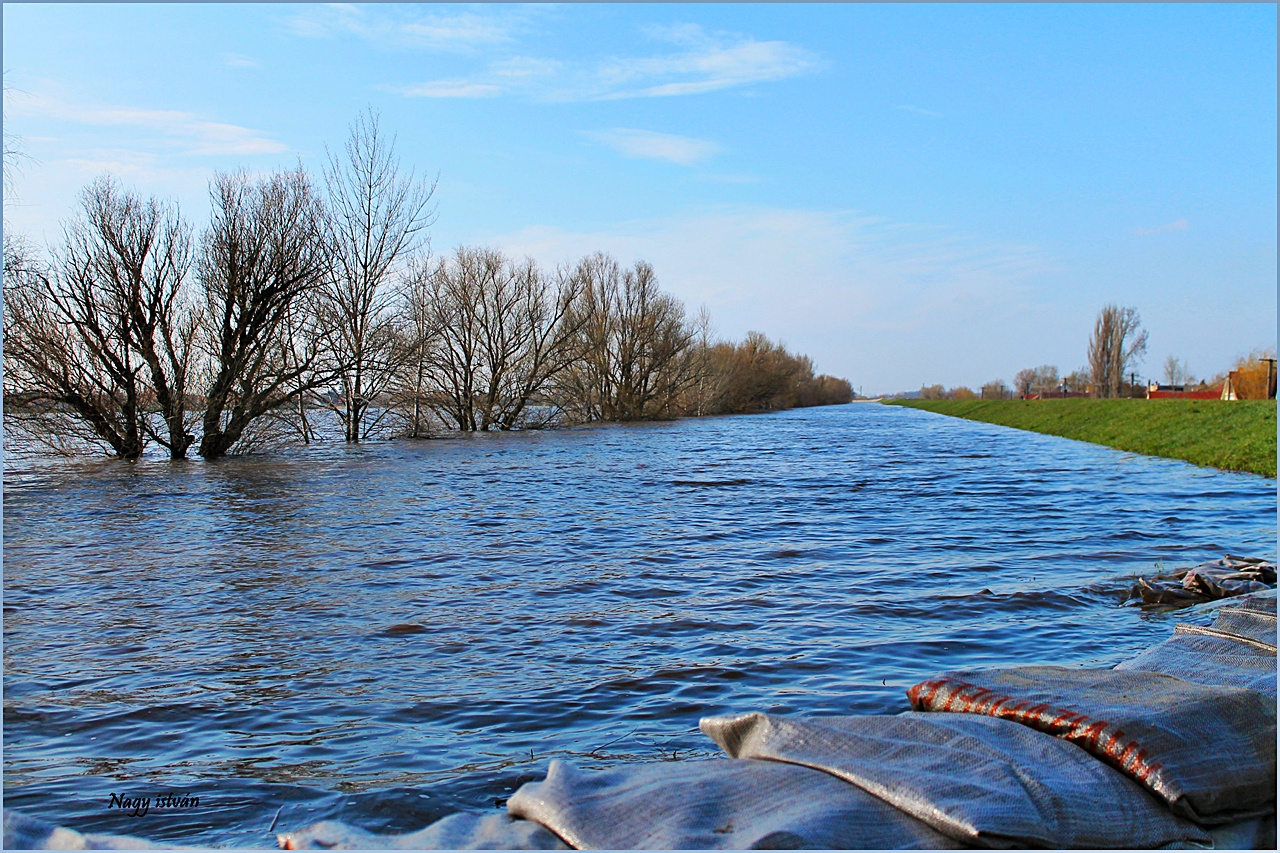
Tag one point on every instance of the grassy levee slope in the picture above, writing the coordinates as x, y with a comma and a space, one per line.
1238, 435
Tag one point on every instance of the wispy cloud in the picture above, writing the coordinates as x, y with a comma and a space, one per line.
709, 63
196, 135
451, 89
239, 60
648, 145
387, 27
701, 63
918, 110
1176, 225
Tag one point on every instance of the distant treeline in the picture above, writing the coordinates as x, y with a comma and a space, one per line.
299, 298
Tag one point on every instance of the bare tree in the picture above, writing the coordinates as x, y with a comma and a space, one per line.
1047, 379
107, 333
14, 156
142, 250
1078, 380
1175, 371
377, 217
502, 332
417, 334
1117, 345
1023, 381
639, 348
262, 257
995, 390
539, 342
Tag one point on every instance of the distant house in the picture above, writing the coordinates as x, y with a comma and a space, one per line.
1182, 392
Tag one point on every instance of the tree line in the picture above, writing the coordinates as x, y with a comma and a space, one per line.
1114, 352
304, 296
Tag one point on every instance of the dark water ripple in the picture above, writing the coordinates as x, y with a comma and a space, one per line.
390, 633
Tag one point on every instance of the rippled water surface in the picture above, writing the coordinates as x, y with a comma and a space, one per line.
390, 633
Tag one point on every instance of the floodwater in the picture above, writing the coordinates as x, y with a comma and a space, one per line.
390, 633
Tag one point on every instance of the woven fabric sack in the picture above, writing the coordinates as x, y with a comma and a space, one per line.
1257, 625
1210, 659
717, 804
1209, 751
463, 831
979, 780
1263, 602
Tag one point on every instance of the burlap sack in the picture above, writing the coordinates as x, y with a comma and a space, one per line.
1207, 750
978, 780
1210, 659
721, 804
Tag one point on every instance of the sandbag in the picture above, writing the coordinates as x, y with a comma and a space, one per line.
1210, 659
463, 831
23, 832
979, 780
1209, 751
1257, 833
1258, 626
718, 804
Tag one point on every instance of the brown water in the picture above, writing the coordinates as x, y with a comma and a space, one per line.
390, 633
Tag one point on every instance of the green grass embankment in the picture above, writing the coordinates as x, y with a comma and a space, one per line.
1238, 435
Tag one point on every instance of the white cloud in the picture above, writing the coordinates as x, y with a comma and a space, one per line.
197, 135
1176, 225
648, 145
705, 63
523, 67
396, 28
918, 110
239, 60
451, 89
712, 64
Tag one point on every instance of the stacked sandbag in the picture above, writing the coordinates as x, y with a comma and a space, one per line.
979, 780
1209, 751
463, 831
718, 804
1210, 659
1238, 650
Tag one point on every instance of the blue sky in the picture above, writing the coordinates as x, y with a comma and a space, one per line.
910, 194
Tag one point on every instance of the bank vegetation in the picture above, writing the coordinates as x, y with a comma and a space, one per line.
1235, 436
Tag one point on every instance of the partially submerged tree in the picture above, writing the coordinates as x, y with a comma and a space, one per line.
377, 217
638, 354
105, 335
262, 258
1117, 345
502, 331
